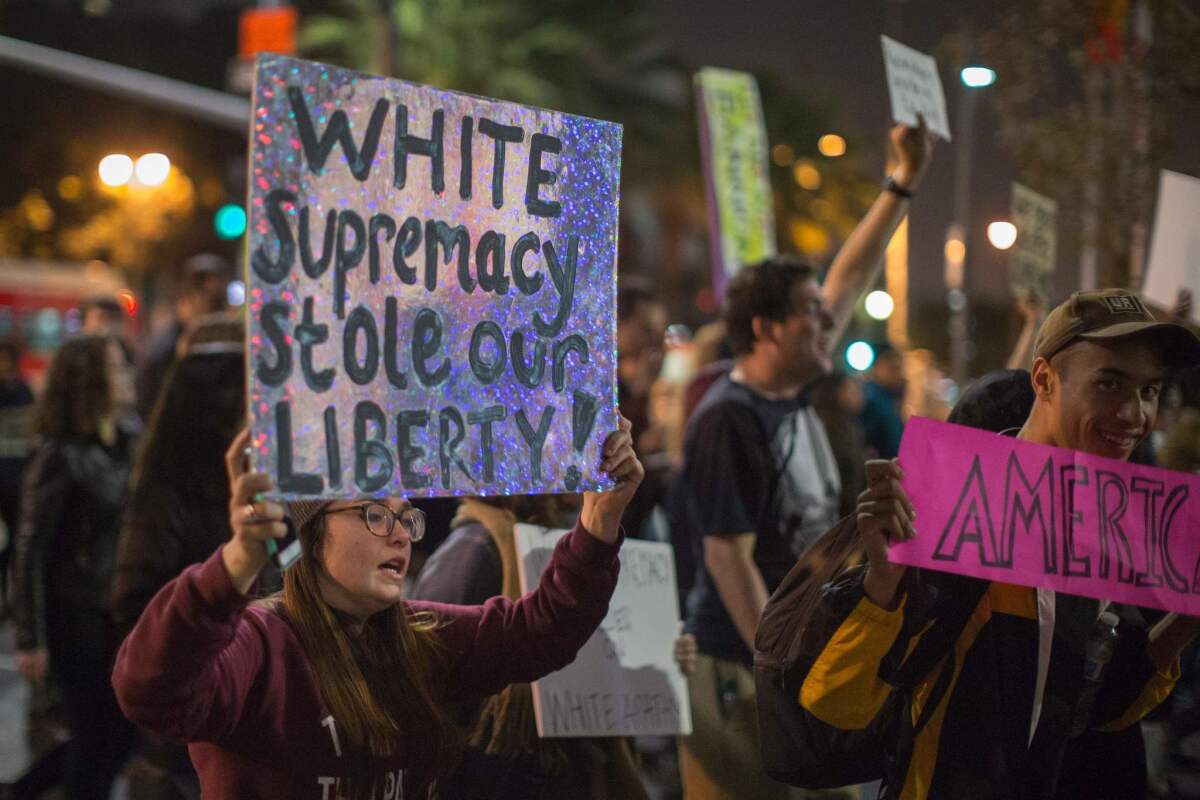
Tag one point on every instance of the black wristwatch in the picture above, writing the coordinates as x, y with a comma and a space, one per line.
890, 185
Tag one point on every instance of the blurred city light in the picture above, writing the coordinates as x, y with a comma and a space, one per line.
956, 251
128, 301
880, 305
783, 155
860, 356
806, 175
978, 77
1002, 234
235, 293
116, 169
70, 187
831, 145
152, 169
230, 221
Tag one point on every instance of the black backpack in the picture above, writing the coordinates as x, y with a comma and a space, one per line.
802, 615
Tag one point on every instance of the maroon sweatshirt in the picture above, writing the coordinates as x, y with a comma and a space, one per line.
205, 667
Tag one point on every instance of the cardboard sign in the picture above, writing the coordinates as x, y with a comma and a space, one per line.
915, 87
431, 289
1175, 244
625, 681
1031, 262
999, 508
733, 146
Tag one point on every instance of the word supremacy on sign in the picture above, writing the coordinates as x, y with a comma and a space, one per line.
431, 288
624, 681
998, 508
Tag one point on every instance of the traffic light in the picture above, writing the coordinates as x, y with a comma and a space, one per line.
230, 221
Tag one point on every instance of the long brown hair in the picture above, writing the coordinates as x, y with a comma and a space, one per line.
382, 679
78, 392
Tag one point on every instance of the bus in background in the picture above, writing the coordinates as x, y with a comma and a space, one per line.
43, 302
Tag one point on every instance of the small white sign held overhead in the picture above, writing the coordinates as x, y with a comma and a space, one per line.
915, 87
1175, 244
1032, 259
624, 681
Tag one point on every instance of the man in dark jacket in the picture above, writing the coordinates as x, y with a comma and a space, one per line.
1004, 696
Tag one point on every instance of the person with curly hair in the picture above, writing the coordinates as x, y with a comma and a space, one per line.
73, 496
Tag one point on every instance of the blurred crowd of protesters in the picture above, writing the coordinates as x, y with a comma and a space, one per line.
753, 444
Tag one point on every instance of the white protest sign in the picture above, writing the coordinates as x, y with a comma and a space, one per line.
431, 287
1175, 244
625, 681
1031, 261
915, 87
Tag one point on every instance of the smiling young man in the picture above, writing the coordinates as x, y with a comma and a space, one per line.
1004, 694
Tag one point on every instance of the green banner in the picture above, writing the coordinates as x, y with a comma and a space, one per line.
733, 143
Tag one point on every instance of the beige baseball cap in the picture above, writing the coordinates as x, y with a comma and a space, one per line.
1114, 314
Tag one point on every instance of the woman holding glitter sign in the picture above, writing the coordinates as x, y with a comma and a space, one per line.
337, 687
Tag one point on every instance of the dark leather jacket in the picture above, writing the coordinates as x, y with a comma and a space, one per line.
73, 498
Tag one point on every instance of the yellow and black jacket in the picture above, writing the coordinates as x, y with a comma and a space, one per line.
962, 715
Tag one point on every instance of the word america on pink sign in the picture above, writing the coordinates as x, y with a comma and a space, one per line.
1002, 509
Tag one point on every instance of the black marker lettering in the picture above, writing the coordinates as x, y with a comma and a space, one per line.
406, 144
409, 452
368, 448
275, 270
309, 334
285, 465
563, 277
427, 340
348, 256
362, 372
536, 440
501, 134
315, 152
536, 177
272, 319
484, 420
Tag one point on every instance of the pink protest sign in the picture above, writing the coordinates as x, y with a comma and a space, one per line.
999, 508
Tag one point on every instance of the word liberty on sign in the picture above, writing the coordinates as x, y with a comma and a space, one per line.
999, 508
431, 288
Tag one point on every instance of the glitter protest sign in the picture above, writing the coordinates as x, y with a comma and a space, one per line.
733, 144
1003, 509
431, 289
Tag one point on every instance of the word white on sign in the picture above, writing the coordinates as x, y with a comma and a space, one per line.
1175, 244
624, 681
915, 87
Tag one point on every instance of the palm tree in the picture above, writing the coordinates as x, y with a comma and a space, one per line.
577, 56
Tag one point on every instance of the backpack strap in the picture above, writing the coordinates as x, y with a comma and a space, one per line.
955, 600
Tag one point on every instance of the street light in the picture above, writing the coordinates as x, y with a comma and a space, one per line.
116, 169
860, 356
1002, 234
879, 305
831, 145
152, 169
972, 77
976, 77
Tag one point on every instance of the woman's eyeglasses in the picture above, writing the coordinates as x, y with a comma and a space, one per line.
381, 520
